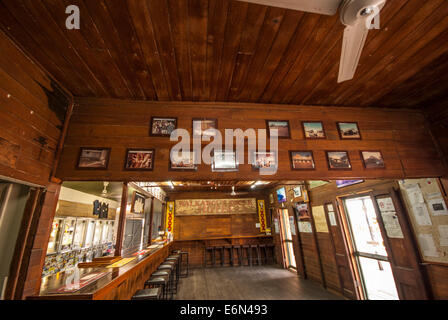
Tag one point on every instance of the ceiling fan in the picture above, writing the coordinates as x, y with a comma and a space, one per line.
356, 15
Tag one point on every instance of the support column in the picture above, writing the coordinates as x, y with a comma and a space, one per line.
122, 220
151, 219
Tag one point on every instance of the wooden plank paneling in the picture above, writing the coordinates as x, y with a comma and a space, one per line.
120, 124
228, 50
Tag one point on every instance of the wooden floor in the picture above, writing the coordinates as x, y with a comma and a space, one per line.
249, 283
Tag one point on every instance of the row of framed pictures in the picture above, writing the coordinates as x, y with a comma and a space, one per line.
224, 161
163, 127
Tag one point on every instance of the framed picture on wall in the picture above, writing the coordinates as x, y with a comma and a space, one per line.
313, 130
139, 159
93, 158
302, 211
138, 203
162, 127
224, 161
281, 125
265, 160
302, 160
349, 130
372, 159
183, 161
200, 126
338, 160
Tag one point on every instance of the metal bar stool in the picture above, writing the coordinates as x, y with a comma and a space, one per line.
255, 250
238, 255
221, 255
263, 253
175, 264
166, 273
184, 264
158, 282
148, 294
271, 253
171, 267
246, 249
211, 251
230, 251
177, 259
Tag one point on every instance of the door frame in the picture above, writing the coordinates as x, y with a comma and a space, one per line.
283, 242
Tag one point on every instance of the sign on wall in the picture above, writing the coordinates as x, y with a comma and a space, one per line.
170, 216
192, 207
262, 215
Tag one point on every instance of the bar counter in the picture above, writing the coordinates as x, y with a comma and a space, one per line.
118, 284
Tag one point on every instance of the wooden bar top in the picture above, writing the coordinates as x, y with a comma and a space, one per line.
105, 287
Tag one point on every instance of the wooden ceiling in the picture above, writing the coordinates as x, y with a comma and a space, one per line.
219, 50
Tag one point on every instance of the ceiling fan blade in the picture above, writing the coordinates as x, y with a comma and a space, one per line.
328, 7
354, 39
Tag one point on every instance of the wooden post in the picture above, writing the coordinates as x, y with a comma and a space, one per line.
151, 219
122, 220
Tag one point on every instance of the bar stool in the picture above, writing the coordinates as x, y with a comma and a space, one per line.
185, 264
246, 249
271, 253
230, 251
175, 264
156, 282
256, 254
148, 294
211, 251
171, 267
168, 274
238, 255
263, 253
221, 254
176, 259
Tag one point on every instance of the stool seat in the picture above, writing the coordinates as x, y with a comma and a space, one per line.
161, 273
147, 294
156, 280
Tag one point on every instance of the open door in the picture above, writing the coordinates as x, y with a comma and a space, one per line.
289, 259
398, 239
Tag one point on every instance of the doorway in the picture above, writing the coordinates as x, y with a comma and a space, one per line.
369, 252
289, 258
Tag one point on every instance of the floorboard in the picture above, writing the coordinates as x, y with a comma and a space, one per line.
249, 283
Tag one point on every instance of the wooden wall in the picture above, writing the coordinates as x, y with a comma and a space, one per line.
401, 135
437, 115
32, 114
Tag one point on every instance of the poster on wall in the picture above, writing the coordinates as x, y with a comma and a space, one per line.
319, 219
302, 211
305, 227
170, 216
390, 218
292, 226
277, 229
297, 191
437, 207
332, 218
138, 203
262, 215
199, 207
428, 245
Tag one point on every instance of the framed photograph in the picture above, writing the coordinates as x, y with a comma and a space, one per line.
372, 159
162, 127
183, 161
224, 161
264, 160
281, 125
139, 159
349, 130
297, 191
201, 125
346, 183
313, 130
281, 195
338, 160
138, 203
93, 158
302, 160
271, 198
302, 211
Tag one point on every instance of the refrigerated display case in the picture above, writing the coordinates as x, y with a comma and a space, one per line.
68, 232
88, 242
104, 232
110, 232
55, 236
80, 231
97, 235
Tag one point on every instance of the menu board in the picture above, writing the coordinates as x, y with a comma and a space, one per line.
201, 207
427, 208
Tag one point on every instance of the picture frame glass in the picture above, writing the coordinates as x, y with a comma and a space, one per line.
313, 130
200, 126
183, 160
338, 160
163, 126
139, 160
349, 130
302, 160
372, 159
94, 158
281, 125
224, 161
138, 203
281, 195
266, 160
